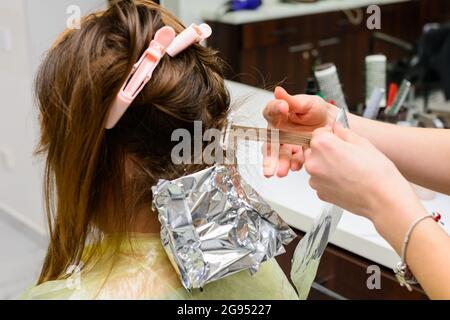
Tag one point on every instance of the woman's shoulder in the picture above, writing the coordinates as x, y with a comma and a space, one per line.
139, 270
144, 272
160, 281
56, 290
127, 278
269, 283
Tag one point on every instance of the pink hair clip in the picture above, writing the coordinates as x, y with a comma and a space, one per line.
163, 42
192, 34
140, 74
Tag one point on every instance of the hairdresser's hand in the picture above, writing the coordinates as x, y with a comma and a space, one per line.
347, 170
293, 113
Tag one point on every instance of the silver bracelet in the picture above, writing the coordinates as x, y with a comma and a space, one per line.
402, 271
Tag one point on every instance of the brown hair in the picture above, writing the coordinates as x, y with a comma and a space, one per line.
96, 179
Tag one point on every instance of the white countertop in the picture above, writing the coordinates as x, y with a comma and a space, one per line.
297, 203
286, 10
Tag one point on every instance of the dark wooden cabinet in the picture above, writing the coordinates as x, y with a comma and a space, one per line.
268, 53
283, 64
434, 10
285, 51
343, 275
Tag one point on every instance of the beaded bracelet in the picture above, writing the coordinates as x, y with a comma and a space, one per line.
402, 271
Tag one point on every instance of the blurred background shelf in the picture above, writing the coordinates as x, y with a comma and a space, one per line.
285, 50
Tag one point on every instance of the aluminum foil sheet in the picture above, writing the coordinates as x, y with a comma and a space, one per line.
214, 224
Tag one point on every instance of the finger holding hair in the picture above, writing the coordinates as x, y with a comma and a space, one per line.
270, 158
285, 158
307, 110
347, 134
298, 158
276, 112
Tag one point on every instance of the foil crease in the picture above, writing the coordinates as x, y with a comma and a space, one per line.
214, 224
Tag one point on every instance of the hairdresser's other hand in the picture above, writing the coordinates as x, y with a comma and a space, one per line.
347, 170
293, 113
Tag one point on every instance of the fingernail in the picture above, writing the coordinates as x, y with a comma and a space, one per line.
281, 105
267, 173
268, 170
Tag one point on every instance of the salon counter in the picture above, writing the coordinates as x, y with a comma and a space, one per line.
298, 204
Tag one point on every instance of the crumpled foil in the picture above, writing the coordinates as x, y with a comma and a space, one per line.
214, 224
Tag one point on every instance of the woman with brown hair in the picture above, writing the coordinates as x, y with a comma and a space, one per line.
104, 237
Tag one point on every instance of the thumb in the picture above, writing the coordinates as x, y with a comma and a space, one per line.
275, 112
346, 134
281, 93
300, 104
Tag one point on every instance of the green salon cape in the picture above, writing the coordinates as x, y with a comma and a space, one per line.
140, 269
